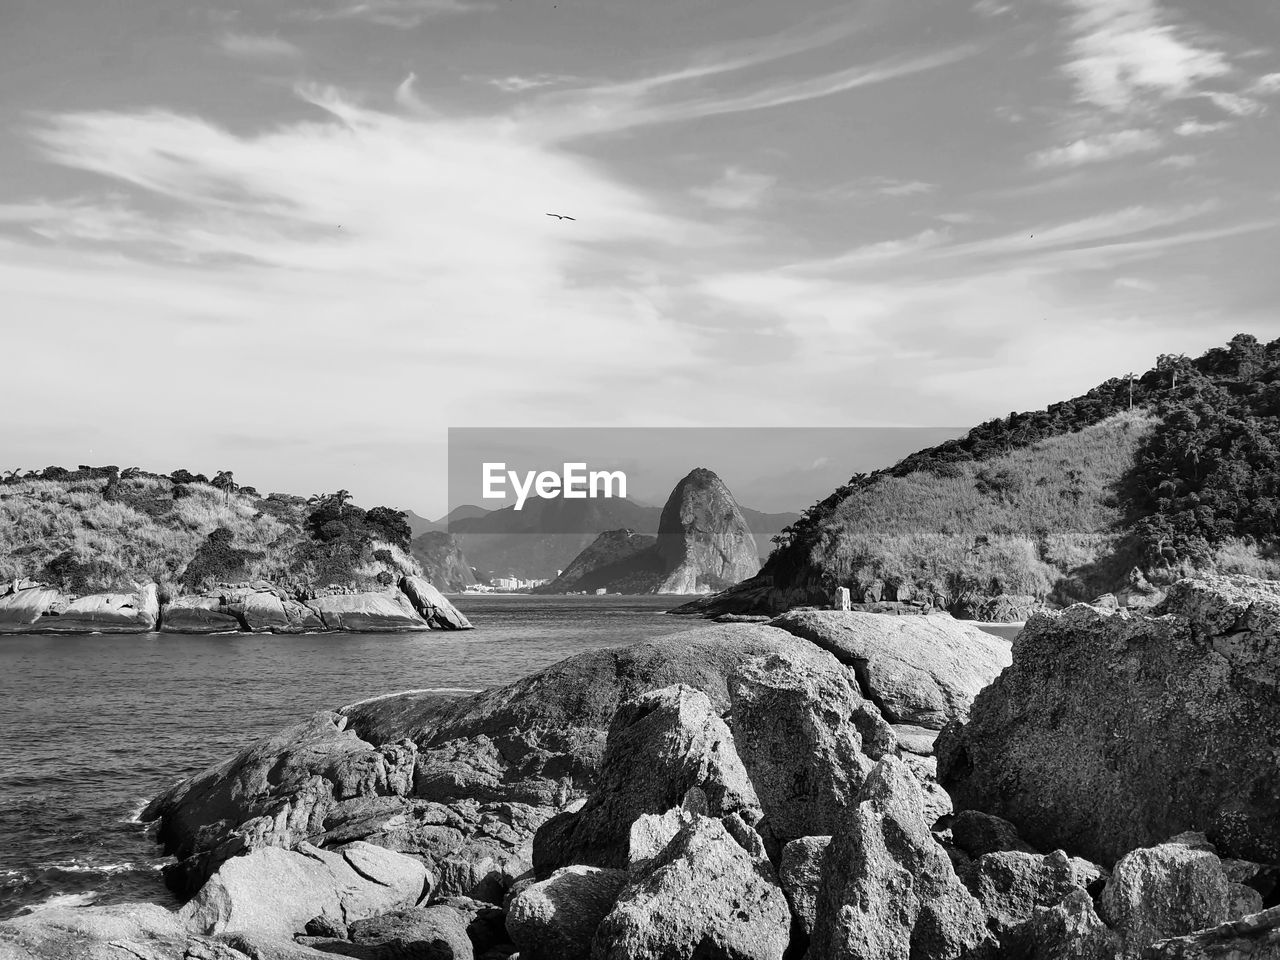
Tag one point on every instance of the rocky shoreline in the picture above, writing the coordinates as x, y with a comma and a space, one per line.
256, 607
827, 785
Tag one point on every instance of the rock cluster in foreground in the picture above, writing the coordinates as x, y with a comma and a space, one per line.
738, 792
256, 607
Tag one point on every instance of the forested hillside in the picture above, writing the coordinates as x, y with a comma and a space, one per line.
1165, 472
102, 528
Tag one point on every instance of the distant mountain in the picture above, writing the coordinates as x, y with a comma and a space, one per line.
703, 544
1138, 481
443, 562
621, 561
420, 525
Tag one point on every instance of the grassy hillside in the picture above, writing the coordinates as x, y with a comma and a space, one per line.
97, 528
1171, 471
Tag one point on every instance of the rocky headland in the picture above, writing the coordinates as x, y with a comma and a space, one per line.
254, 607
1104, 789
703, 545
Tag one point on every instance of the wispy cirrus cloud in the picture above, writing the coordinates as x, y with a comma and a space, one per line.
391, 13
251, 46
1098, 148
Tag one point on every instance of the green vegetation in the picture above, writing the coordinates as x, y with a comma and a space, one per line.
102, 528
1172, 471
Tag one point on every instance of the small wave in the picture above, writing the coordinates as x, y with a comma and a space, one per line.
405, 693
86, 899
135, 813
80, 866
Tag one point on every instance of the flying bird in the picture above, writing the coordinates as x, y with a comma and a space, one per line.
561, 216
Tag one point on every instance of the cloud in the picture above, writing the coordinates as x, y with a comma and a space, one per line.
1266, 85
248, 46
1098, 148
612, 107
514, 84
1179, 161
391, 13
1235, 104
736, 189
1126, 52
1198, 128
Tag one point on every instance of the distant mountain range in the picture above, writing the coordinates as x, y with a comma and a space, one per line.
542, 539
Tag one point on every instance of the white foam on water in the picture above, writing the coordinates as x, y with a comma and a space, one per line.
86, 899
405, 693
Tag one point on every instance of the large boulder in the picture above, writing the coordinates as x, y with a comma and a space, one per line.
1068, 930
274, 893
1165, 891
432, 606
368, 613
107, 613
277, 793
923, 671
266, 612
198, 614
460, 780
661, 745
556, 918
436, 932
978, 833
800, 873
22, 607
1010, 885
703, 896
1255, 937
1113, 730
888, 889
807, 737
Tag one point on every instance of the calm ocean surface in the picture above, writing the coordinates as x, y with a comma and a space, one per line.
94, 726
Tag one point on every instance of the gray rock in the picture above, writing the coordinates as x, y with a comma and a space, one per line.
198, 614
418, 933
368, 613
1255, 937
704, 896
275, 893
807, 738
556, 918
979, 833
922, 671
800, 873
106, 613
888, 889
913, 739
1069, 930
1165, 891
432, 606
1011, 885
660, 746
1166, 741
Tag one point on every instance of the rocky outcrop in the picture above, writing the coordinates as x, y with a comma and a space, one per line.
888, 889
918, 670
1010, 886
444, 564
1255, 937
200, 615
703, 544
431, 605
703, 539
1164, 891
807, 737
460, 781
661, 746
800, 873
1069, 930
368, 613
1167, 738
38, 609
702, 896
436, 932
556, 918
273, 892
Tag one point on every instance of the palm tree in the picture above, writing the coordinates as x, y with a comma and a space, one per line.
226, 482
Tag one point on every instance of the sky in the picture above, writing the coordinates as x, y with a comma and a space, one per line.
300, 239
